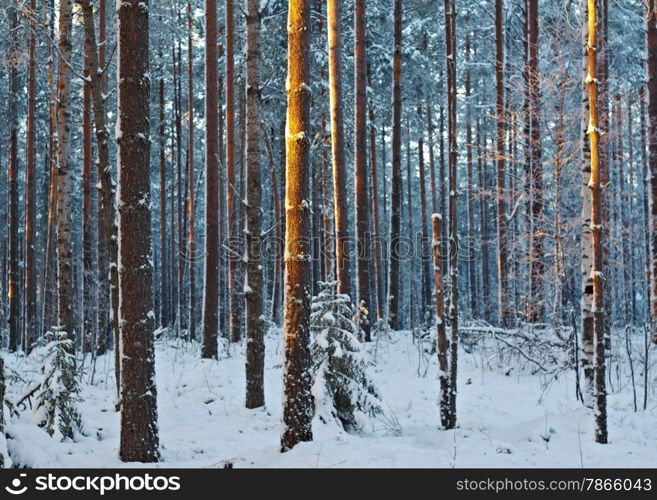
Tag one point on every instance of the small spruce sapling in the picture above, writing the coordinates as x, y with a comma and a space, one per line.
342, 387
58, 395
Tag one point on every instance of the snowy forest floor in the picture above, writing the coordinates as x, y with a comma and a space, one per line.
503, 420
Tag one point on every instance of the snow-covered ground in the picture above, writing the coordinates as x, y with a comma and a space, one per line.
504, 420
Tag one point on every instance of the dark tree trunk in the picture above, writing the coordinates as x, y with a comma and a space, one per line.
14, 282
30, 199
164, 255
212, 193
450, 45
139, 429
651, 28
394, 294
233, 233
255, 347
192, 253
360, 155
503, 313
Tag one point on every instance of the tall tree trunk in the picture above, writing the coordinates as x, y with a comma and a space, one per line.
394, 295
424, 224
14, 283
180, 302
646, 198
441, 337
412, 307
376, 227
586, 304
651, 29
233, 234
340, 205
89, 292
596, 230
472, 287
30, 198
65, 284
223, 221
537, 266
360, 156
192, 252
503, 313
107, 194
432, 160
483, 218
139, 430
450, 47
164, 259
48, 299
255, 346
212, 221
297, 405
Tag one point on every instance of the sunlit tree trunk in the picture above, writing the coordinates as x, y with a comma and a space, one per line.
441, 336
586, 302
596, 229
297, 404
340, 205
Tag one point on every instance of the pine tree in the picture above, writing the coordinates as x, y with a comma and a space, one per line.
30, 197
108, 237
596, 230
65, 286
234, 286
212, 192
13, 285
360, 157
139, 431
342, 387
450, 52
651, 42
297, 405
191, 197
340, 205
500, 196
394, 290
255, 347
